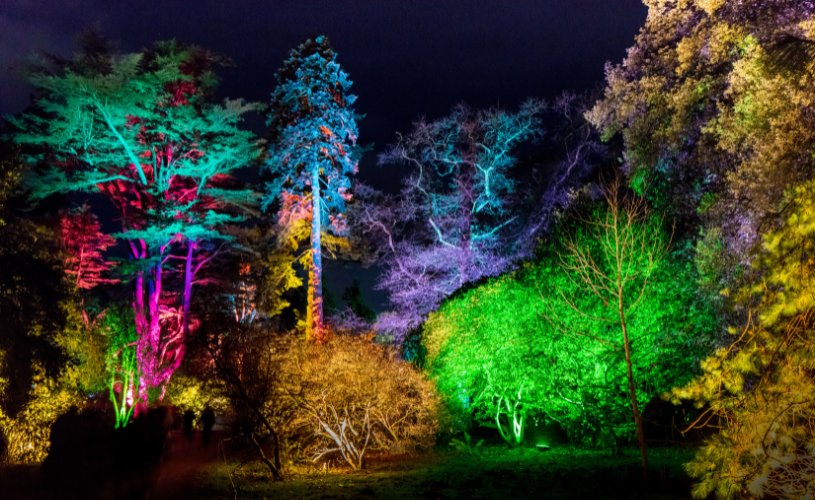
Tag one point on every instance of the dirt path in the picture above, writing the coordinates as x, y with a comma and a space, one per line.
183, 458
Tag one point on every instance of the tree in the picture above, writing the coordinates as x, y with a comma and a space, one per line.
311, 151
32, 290
123, 368
452, 222
84, 244
715, 121
357, 395
247, 361
497, 359
619, 274
760, 390
138, 128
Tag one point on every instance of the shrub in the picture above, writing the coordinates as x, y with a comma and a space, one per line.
357, 396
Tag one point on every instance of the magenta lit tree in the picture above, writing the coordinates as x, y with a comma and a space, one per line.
139, 129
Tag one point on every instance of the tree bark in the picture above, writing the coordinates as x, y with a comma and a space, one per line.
316, 284
633, 392
188, 286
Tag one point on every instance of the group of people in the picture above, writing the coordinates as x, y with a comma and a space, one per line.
207, 423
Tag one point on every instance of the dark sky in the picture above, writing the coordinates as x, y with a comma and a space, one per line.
406, 58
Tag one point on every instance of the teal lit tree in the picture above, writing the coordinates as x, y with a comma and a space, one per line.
312, 153
139, 128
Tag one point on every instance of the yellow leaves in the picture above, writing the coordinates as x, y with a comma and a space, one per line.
709, 6
808, 28
721, 41
688, 51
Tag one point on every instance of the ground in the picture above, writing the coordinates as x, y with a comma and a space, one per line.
497, 472
189, 471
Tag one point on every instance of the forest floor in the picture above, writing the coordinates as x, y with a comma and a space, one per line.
192, 472
496, 472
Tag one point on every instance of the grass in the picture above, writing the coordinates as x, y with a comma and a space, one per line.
497, 472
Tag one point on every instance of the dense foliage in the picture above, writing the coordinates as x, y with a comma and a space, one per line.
498, 359
714, 102
715, 125
761, 387
139, 129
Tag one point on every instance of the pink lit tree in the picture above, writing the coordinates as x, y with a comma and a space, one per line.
84, 243
139, 129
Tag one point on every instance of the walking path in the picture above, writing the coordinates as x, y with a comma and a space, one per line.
180, 463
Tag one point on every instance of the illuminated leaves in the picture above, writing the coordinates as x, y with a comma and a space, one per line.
84, 244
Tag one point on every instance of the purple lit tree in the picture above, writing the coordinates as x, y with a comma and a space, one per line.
311, 153
461, 215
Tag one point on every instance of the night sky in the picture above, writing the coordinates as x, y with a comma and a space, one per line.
406, 58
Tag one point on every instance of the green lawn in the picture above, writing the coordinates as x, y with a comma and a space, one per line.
497, 472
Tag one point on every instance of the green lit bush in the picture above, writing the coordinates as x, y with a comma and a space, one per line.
497, 360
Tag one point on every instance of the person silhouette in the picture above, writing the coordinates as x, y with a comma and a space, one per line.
208, 419
189, 419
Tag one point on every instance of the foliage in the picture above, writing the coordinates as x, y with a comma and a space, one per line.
84, 243
139, 129
470, 209
86, 344
491, 347
451, 222
311, 155
188, 392
32, 290
123, 368
761, 388
466, 446
244, 365
28, 432
716, 123
357, 395
613, 263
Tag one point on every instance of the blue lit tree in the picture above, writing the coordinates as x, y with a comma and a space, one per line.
312, 152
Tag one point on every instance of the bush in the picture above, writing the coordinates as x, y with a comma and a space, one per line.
497, 359
28, 435
357, 395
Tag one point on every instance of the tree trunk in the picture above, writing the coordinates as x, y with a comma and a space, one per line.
634, 406
188, 286
316, 284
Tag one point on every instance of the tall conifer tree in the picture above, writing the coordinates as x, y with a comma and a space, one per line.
312, 151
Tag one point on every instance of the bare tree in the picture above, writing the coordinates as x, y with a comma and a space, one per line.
246, 363
465, 212
613, 263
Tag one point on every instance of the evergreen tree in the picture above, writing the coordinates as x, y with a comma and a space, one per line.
312, 153
84, 244
138, 129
